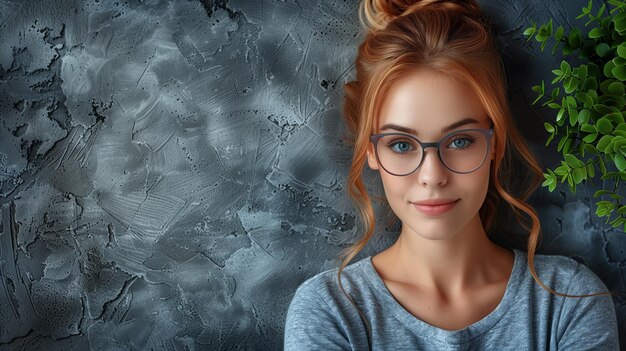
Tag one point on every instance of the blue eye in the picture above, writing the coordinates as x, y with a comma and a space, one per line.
401, 146
462, 142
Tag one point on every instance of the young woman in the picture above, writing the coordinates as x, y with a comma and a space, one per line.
428, 111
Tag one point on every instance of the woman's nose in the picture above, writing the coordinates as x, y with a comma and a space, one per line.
432, 172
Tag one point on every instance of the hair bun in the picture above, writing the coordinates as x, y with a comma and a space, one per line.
376, 14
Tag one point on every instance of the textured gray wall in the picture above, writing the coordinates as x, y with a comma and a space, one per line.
170, 172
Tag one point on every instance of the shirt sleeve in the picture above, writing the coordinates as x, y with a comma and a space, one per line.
311, 323
588, 323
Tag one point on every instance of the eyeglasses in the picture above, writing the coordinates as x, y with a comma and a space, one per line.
462, 151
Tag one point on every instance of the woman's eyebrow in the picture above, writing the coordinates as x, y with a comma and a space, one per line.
398, 128
445, 129
460, 123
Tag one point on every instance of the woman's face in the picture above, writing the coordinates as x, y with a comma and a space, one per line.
423, 104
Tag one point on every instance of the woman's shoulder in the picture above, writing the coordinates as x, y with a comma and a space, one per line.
566, 274
320, 317
326, 281
323, 288
588, 323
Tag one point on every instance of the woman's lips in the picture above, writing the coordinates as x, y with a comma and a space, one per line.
435, 210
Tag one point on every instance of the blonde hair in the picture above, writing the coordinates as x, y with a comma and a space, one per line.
452, 38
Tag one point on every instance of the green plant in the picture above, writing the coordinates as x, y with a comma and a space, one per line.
589, 100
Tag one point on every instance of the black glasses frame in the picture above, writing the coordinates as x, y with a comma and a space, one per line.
487, 132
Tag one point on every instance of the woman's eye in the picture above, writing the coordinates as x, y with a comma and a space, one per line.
461, 143
401, 146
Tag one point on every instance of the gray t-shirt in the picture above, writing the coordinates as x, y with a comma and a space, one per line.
320, 316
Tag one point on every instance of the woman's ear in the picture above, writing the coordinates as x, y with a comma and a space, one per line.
371, 157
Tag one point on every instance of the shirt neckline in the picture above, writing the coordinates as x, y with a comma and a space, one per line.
450, 336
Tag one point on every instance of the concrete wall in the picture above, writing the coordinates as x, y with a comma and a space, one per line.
170, 172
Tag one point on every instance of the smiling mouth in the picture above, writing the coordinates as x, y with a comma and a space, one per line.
435, 210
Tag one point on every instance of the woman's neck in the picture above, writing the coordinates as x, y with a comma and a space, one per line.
449, 266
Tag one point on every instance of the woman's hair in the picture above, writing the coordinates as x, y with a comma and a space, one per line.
451, 38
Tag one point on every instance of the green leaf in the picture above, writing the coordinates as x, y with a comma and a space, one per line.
602, 109
617, 144
582, 72
573, 161
619, 72
600, 193
568, 145
590, 149
550, 139
604, 86
604, 142
587, 9
608, 69
621, 50
541, 34
574, 39
559, 115
590, 84
620, 22
558, 35
570, 181
596, 33
615, 117
617, 222
561, 143
529, 31
549, 127
573, 116
565, 68
562, 170
552, 186
581, 149
548, 179
587, 128
567, 50
603, 49
549, 27
583, 116
604, 125
578, 175
594, 70
608, 175
616, 88
570, 84
620, 16
620, 161
601, 11
590, 138
591, 170
619, 61
602, 167
601, 212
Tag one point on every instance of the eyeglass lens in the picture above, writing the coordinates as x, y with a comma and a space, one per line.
461, 152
